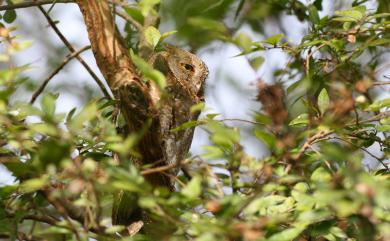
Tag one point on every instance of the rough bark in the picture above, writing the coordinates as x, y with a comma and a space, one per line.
140, 101
137, 99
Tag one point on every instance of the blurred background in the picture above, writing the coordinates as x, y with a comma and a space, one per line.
231, 86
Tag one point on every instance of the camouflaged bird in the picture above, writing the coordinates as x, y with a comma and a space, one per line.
185, 74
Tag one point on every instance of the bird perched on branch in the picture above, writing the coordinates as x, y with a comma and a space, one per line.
185, 74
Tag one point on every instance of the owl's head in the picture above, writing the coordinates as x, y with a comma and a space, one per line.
187, 67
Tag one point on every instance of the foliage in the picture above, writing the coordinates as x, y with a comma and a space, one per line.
317, 119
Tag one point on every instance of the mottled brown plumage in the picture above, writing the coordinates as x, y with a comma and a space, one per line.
185, 74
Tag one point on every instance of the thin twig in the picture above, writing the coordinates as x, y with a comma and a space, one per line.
379, 159
310, 55
378, 117
217, 183
34, 217
241, 120
28, 4
58, 69
129, 19
72, 49
311, 141
21, 236
159, 169
381, 83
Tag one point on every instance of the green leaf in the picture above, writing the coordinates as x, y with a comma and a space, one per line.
383, 128
23, 45
147, 5
212, 152
33, 185
244, 42
286, 235
321, 175
212, 116
378, 42
152, 36
379, 104
338, 232
135, 14
354, 14
265, 137
300, 121
257, 62
9, 16
193, 188
207, 24
148, 71
318, 4
323, 101
114, 229
52, 151
167, 34
124, 147
240, 5
223, 135
385, 121
188, 124
48, 104
19, 169
53, 230
198, 107
44, 128
70, 114
313, 14
274, 39
147, 202
379, 15
127, 186
85, 115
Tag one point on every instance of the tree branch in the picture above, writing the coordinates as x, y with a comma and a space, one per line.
111, 55
310, 141
129, 19
72, 49
381, 83
137, 99
160, 169
28, 4
61, 66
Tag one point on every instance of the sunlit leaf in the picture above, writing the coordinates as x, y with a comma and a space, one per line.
265, 137
299, 121
257, 62
193, 188
354, 14
313, 14
379, 104
286, 235
274, 39
323, 101
148, 71
135, 14
152, 36
33, 185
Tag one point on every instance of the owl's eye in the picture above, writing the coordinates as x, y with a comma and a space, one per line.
188, 67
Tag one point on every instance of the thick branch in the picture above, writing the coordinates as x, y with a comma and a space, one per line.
137, 102
28, 4
110, 53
